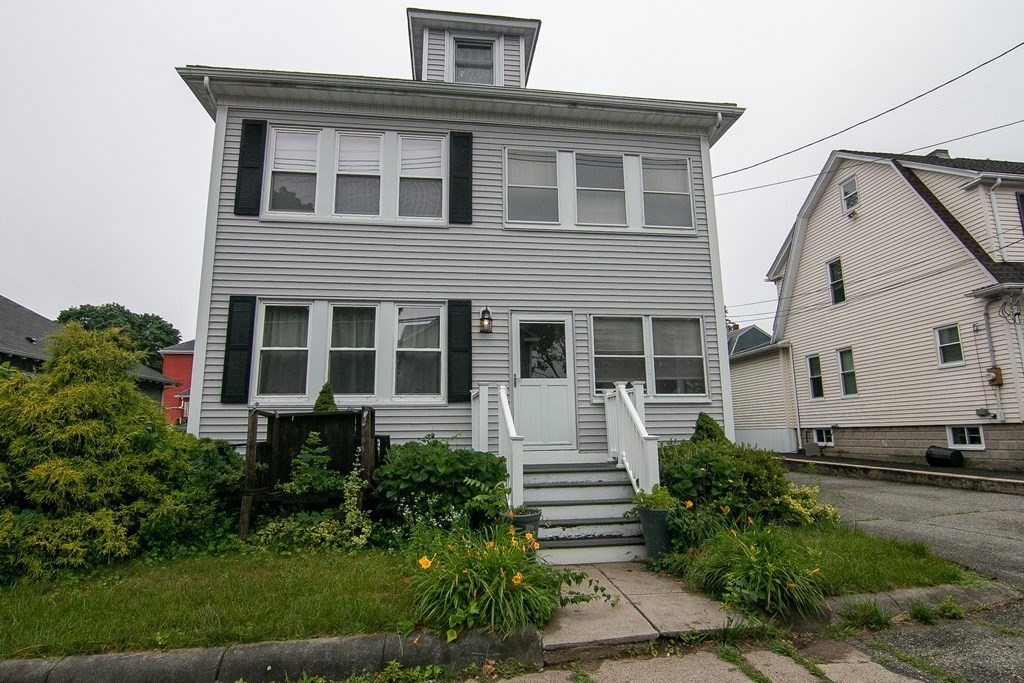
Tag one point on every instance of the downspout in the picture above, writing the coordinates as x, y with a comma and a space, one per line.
992, 359
1020, 357
796, 401
714, 128
995, 216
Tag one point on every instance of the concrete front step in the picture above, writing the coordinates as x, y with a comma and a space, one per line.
561, 529
573, 472
546, 492
578, 551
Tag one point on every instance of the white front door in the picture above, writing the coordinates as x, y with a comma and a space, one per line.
543, 380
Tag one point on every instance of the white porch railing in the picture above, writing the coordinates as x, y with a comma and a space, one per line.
510, 446
628, 441
480, 406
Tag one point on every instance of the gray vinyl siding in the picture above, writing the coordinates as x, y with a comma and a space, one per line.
905, 275
513, 61
433, 68
506, 269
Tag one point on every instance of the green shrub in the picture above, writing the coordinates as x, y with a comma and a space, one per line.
801, 506
659, 498
706, 429
689, 526
759, 570
949, 608
492, 580
93, 471
325, 400
426, 480
311, 472
866, 614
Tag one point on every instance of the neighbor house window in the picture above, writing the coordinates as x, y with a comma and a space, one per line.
835, 281
284, 350
667, 353
950, 350
823, 437
847, 375
421, 184
353, 351
678, 356
532, 189
600, 190
667, 198
357, 184
618, 351
418, 352
966, 437
474, 61
293, 171
814, 375
851, 200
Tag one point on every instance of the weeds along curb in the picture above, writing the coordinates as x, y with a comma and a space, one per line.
898, 601
331, 658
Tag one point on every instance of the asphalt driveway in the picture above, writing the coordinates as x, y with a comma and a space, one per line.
982, 531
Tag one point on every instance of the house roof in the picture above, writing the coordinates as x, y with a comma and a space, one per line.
789, 254
747, 338
184, 347
19, 326
211, 85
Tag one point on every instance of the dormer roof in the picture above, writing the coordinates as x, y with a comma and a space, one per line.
420, 19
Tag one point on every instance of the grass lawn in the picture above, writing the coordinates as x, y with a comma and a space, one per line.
853, 562
204, 601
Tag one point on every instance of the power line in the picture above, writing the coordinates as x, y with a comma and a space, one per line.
874, 161
872, 118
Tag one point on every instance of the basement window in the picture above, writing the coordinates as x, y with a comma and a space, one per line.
967, 438
823, 437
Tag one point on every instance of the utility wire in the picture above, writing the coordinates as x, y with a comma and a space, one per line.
874, 161
872, 118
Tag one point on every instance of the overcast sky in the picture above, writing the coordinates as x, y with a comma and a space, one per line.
106, 154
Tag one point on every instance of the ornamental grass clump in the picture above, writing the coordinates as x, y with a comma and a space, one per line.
492, 580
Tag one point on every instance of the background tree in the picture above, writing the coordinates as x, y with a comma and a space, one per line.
146, 331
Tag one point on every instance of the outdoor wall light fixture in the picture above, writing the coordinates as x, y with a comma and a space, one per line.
485, 321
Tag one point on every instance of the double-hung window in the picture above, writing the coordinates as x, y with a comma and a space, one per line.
835, 281
532, 190
666, 353
421, 180
814, 376
848, 190
418, 352
950, 350
474, 61
293, 171
847, 374
284, 351
667, 197
353, 351
600, 190
357, 184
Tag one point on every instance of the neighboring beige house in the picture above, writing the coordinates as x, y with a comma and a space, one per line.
763, 411
900, 290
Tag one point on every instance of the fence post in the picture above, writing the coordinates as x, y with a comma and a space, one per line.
367, 441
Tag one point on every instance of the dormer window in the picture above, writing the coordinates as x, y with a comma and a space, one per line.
474, 61
851, 200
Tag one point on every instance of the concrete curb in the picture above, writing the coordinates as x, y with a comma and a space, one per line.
898, 601
948, 479
332, 658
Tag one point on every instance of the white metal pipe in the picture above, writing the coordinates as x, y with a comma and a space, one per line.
995, 217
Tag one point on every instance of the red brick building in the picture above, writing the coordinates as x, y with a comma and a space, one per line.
178, 366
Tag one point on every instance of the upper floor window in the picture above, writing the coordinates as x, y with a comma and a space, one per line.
835, 281
851, 199
668, 353
357, 185
293, 170
847, 374
474, 61
600, 190
666, 187
421, 184
814, 375
532, 189
951, 352
284, 350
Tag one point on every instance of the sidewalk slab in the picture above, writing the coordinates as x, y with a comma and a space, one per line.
700, 667
778, 668
862, 672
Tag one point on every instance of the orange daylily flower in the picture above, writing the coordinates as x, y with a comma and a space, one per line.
518, 578
688, 504
425, 562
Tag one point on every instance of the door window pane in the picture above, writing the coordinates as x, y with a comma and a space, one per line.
542, 350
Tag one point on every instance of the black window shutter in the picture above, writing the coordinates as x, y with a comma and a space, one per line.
460, 178
234, 386
249, 182
460, 350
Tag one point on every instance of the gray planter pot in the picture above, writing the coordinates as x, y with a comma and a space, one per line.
529, 521
654, 525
